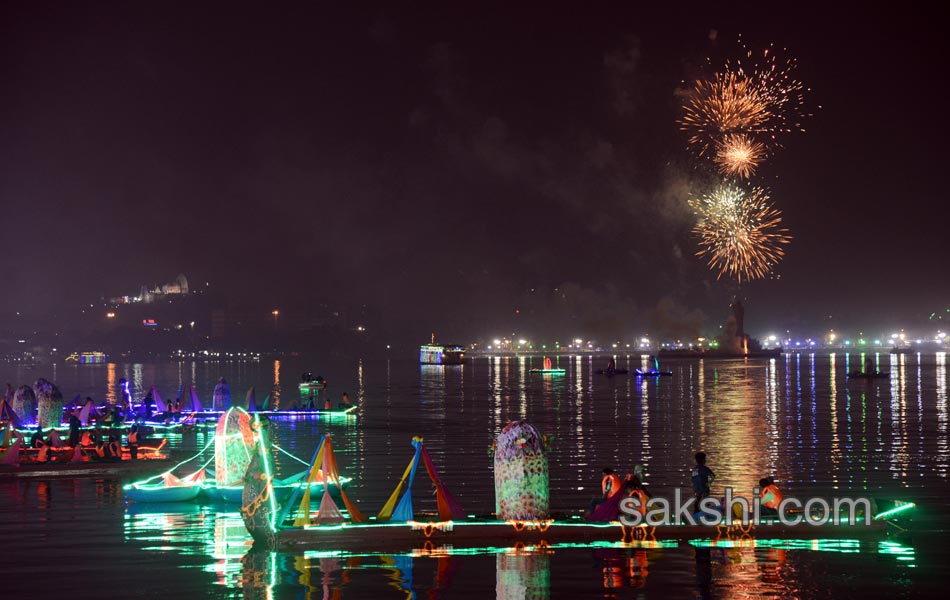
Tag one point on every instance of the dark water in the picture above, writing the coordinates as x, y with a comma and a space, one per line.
797, 418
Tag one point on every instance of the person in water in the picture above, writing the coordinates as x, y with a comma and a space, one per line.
770, 496
701, 476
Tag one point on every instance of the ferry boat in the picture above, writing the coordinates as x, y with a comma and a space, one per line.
441, 354
87, 358
438, 354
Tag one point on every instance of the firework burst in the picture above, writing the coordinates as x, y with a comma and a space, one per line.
738, 155
757, 96
740, 233
726, 104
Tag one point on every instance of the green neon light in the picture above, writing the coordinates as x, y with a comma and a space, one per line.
265, 458
894, 511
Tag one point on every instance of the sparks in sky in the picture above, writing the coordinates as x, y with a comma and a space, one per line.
740, 232
738, 155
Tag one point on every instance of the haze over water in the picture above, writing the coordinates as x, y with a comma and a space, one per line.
797, 418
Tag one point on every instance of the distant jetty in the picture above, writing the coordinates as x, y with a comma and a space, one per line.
666, 354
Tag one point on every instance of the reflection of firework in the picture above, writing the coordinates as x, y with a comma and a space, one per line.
739, 232
738, 155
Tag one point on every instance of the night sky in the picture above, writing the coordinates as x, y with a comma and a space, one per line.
449, 165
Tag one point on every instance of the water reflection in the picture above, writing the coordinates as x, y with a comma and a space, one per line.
734, 569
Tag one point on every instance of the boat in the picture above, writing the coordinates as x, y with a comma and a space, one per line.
211, 415
283, 489
441, 354
474, 532
611, 372
902, 350
863, 375
235, 437
549, 371
314, 385
161, 493
652, 373
18, 463
397, 529
93, 357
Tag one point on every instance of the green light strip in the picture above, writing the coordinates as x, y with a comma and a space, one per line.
894, 511
187, 460
291, 455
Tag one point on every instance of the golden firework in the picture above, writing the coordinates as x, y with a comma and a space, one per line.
739, 232
738, 155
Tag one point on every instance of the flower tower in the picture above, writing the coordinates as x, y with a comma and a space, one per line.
521, 473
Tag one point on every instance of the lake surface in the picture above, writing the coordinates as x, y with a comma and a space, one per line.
797, 418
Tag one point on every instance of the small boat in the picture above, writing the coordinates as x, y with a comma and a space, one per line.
209, 416
611, 372
316, 385
162, 493
653, 373
863, 375
123, 468
549, 371
170, 489
283, 489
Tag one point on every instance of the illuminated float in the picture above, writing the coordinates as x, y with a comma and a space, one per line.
522, 520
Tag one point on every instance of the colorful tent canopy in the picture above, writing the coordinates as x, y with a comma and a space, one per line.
324, 464
7, 436
11, 456
448, 507
195, 402
159, 404
8, 414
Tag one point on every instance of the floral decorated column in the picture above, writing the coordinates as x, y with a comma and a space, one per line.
521, 473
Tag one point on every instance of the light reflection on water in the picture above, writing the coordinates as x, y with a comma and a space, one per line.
797, 418
736, 569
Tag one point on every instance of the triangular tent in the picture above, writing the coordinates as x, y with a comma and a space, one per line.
448, 508
195, 402
11, 456
8, 414
324, 464
159, 404
55, 441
